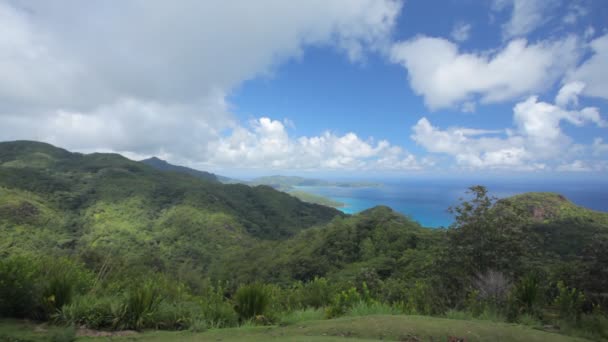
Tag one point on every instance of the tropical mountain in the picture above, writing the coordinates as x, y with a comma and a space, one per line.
87, 237
160, 164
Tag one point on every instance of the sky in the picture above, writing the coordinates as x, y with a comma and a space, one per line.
319, 87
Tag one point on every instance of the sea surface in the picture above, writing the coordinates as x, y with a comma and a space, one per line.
427, 201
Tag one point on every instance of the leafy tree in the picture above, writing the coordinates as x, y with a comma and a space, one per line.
486, 234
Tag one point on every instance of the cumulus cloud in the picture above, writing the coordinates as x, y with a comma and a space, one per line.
526, 16
444, 76
575, 166
594, 71
461, 31
267, 144
535, 141
146, 76
575, 12
599, 147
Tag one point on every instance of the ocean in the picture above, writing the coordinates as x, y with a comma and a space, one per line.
427, 201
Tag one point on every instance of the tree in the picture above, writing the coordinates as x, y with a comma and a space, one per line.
486, 235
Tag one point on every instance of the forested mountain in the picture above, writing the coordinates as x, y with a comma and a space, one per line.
112, 220
162, 165
99, 202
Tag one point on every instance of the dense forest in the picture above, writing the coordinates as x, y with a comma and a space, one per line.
101, 241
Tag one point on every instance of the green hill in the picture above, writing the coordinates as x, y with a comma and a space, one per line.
162, 165
106, 242
97, 203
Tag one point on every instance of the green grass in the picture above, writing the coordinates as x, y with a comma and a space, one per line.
369, 328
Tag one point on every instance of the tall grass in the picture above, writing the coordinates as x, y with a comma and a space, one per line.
251, 300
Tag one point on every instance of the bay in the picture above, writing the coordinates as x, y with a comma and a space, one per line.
427, 201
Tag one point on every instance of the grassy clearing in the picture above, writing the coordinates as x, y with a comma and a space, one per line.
370, 328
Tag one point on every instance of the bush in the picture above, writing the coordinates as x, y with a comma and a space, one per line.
316, 293
177, 315
138, 307
526, 297
420, 301
17, 290
217, 312
60, 281
88, 310
251, 301
343, 302
569, 301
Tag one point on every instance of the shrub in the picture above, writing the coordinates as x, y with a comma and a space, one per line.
526, 297
177, 315
217, 312
251, 300
197, 325
17, 290
59, 281
421, 300
316, 293
140, 304
90, 311
492, 287
569, 301
342, 302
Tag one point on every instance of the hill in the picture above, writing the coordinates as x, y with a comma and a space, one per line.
281, 185
162, 165
102, 203
106, 242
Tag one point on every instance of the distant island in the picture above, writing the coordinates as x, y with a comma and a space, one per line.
286, 184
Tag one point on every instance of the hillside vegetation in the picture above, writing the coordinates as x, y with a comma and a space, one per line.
100, 241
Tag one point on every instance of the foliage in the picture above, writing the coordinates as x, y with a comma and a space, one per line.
251, 300
569, 301
17, 286
342, 302
526, 297
108, 243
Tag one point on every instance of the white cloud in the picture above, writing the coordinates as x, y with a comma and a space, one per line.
594, 71
445, 76
569, 93
536, 141
599, 147
267, 145
575, 12
526, 16
146, 76
589, 32
461, 31
575, 166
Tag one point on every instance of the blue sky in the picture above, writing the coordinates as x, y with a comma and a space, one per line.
361, 87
